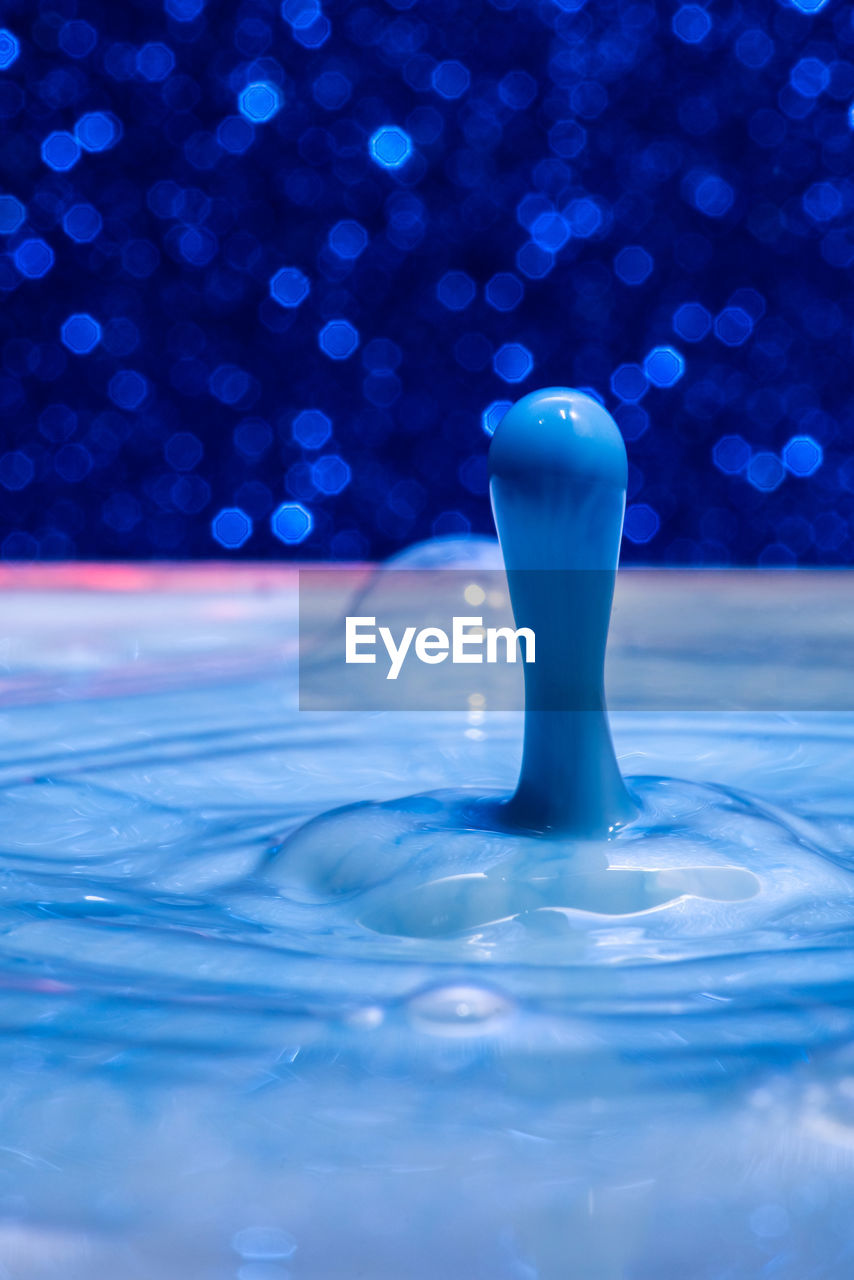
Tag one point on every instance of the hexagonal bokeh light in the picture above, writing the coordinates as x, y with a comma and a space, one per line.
60, 150
289, 287
291, 523
259, 101
390, 147
9, 49
664, 366
338, 339
81, 333
513, 362
231, 528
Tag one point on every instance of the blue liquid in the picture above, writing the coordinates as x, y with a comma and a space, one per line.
208, 1073
558, 483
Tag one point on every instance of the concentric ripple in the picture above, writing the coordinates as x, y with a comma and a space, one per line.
151, 873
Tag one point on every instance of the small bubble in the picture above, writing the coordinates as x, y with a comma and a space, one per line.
459, 1011
263, 1243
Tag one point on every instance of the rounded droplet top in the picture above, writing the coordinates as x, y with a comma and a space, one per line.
559, 431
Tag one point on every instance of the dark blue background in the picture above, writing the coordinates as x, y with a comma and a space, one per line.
547, 138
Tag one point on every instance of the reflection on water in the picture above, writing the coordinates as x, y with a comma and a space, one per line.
216, 1065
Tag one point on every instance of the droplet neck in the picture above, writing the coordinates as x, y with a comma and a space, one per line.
557, 483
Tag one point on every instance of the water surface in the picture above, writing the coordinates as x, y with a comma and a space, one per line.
211, 1069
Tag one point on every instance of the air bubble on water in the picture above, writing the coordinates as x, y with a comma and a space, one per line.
263, 1243
459, 1010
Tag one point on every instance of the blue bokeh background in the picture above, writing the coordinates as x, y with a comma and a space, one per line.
272, 272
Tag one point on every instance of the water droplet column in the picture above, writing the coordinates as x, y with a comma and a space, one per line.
558, 484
